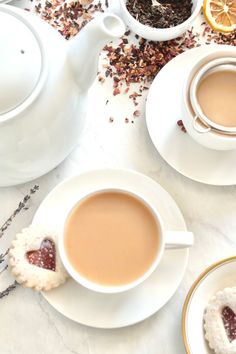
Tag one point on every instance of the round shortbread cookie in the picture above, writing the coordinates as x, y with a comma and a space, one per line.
34, 259
220, 322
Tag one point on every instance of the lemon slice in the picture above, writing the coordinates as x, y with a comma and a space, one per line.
220, 14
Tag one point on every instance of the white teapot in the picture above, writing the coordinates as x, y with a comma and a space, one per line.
44, 81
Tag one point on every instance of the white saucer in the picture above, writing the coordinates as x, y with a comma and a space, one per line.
217, 277
116, 310
164, 109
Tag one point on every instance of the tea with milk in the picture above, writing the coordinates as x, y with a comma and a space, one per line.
111, 238
216, 96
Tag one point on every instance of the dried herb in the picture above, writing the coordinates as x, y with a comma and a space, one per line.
3, 270
181, 125
139, 63
129, 63
3, 255
67, 17
8, 290
218, 37
21, 206
160, 14
136, 113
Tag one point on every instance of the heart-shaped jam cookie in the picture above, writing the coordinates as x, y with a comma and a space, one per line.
220, 322
45, 257
34, 259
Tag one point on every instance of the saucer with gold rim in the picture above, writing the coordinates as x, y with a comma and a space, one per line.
216, 277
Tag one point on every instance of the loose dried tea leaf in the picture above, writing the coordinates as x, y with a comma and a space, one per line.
139, 63
218, 37
181, 125
136, 113
164, 14
68, 17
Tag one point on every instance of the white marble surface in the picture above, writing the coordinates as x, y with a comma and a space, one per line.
30, 325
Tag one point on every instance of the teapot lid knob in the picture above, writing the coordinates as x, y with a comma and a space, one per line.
21, 60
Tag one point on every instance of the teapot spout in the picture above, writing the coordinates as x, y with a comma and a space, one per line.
84, 48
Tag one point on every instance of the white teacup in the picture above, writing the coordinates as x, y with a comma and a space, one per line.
167, 240
200, 127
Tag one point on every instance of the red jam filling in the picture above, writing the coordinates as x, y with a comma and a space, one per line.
229, 321
45, 257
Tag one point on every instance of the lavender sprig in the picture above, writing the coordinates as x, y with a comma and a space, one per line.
8, 289
3, 255
5, 268
21, 206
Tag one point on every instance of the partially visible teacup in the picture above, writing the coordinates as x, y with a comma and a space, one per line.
113, 239
209, 96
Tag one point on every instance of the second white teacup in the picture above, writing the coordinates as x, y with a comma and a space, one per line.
205, 71
113, 239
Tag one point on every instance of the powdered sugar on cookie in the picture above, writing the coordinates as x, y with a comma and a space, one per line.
220, 322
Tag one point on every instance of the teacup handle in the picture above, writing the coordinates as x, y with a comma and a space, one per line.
199, 128
178, 239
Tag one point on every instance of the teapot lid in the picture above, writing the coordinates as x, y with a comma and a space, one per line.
20, 60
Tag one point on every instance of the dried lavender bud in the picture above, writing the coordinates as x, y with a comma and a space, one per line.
8, 290
21, 206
